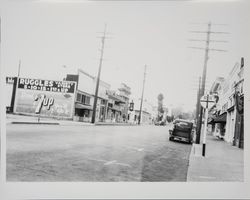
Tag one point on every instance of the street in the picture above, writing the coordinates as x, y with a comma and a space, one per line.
94, 153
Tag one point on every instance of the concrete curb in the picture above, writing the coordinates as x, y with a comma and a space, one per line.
38, 123
71, 124
189, 159
115, 124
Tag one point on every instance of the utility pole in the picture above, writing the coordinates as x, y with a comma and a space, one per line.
204, 73
19, 67
98, 76
198, 110
144, 79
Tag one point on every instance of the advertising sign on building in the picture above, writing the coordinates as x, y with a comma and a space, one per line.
45, 97
9, 92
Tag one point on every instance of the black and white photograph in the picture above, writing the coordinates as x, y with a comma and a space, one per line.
125, 92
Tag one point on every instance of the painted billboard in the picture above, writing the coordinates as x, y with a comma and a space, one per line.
45, 97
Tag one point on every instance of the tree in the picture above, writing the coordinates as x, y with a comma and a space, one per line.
160, 106
178, 112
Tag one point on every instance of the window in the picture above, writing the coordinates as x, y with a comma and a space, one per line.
83, 99
87, 100
78, 97
103, 102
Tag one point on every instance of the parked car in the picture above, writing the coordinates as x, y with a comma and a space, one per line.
182, 131
160, 123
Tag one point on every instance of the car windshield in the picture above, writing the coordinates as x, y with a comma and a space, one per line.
183, 124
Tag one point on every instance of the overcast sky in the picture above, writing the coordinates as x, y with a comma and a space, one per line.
49, 34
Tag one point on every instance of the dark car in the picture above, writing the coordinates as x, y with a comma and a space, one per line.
160, 123
182, 131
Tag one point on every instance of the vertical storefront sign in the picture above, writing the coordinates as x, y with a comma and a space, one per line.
47, 98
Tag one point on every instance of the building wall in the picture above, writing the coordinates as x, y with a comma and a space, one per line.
86, 87
230, 126
134, 117
227, 102
85, 82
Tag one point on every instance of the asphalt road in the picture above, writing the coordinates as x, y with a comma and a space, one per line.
94, 153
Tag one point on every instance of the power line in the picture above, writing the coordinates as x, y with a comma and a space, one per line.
223, 41
196, 23
213, 32
208, 49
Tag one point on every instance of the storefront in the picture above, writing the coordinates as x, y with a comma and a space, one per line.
84, 101
83, 107
114, 108
219, 125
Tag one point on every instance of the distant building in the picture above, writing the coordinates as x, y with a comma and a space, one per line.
124, 93
111, 105
147, 112
115, 107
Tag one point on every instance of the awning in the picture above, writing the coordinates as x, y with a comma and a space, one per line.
115, 109
231, 109
219, 119
82, 106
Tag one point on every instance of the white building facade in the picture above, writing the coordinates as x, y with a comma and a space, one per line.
226, 121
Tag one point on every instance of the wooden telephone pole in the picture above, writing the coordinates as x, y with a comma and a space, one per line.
98, 76
204, 73
144, 79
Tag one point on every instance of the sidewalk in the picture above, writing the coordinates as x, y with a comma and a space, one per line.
22, 119
223, 162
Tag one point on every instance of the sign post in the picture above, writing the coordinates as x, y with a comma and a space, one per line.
207, 101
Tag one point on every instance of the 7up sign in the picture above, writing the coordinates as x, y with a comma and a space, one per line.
43, 101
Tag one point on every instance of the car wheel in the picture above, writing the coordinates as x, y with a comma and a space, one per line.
170, 139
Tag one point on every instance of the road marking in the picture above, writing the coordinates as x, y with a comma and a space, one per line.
114, 162
110, 162
208, 177
106, 162
98, 160
123, 164
135, 148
